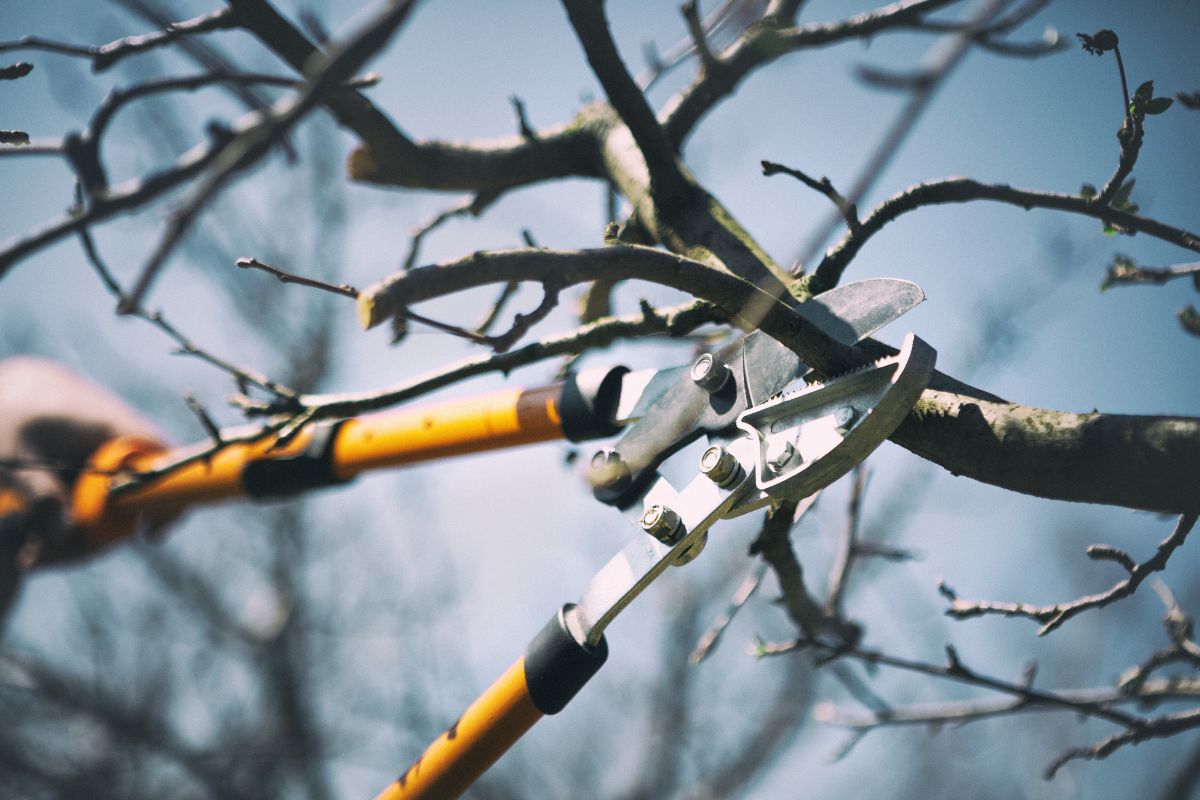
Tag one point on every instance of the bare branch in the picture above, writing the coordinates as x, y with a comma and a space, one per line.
962, 190
708, 641
955, 670
471, 205
843, 562
1055, 615
953, 713
591, 27
244, 377
250, 145
1154, 728
342, 290
691, 15
105, 56
677, 321
1124, 271
824, 186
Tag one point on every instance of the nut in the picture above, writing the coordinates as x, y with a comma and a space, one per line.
710, 373
719, 465
662, 523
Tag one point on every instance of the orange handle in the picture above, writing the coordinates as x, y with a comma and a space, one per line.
501, 419
491, 725
554, 669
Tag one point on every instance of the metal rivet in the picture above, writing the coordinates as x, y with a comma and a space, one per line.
844, 417
719, 465
662, 523
710, 373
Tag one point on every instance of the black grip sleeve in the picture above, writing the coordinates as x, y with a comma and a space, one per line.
312, 468
588, 407
557, 666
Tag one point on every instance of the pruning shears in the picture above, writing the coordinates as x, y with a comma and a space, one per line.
771, 437
785, 446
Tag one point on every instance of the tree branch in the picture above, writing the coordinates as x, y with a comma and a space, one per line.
105, 56
1055, 615
963, 190
667, 183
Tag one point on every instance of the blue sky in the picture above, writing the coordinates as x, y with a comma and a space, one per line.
1059, 342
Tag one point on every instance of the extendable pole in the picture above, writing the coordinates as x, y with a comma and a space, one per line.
326, 454
554, 669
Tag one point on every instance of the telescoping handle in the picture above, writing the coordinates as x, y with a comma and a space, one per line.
554, 669
327, 454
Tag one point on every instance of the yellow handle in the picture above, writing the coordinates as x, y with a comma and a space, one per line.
491, 725
501, 419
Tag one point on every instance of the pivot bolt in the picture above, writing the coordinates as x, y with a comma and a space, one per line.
609, 472
662, 523
710, 373
779, 454
719, 466
844, 417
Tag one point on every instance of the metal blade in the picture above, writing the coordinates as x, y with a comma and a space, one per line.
845, 313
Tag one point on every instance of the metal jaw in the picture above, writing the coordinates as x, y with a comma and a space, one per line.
795, 445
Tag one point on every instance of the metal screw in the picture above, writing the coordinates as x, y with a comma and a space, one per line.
719, 465
844, 417
608, 470
662, 523
780, 453
710, 373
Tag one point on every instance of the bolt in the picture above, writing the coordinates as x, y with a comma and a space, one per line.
662, 523
608, 470
780, 453
844, 417
710, 373
719, 466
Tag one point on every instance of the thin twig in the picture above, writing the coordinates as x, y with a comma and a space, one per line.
256, 141
243, 376
949, 53
341, 289
843, 562
824, 186
676, 321
197, 408
105, 56
1055, 615
474, 205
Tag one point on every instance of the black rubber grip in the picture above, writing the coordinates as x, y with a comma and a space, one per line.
589, 411
557, 666
311, 468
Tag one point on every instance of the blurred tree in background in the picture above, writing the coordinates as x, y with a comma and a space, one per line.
311, 648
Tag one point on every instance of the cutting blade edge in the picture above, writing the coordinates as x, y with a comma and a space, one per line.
846, 314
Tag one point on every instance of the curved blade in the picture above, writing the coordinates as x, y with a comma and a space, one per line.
760, 366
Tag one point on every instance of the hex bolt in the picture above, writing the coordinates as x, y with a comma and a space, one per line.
779, 454
608, 470
662, 523
710, 373
719, 466
844, 417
